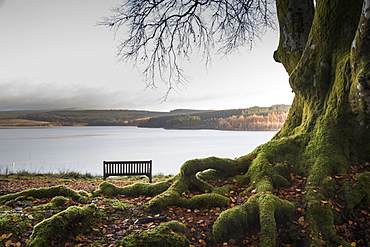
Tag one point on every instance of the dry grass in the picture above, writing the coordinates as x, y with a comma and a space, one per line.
22, 122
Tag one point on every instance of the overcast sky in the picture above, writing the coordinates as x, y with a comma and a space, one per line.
54, 56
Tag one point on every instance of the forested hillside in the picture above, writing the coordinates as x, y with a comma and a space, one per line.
79, 117
269, 121
254, 118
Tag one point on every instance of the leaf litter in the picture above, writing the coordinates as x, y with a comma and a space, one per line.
119, 222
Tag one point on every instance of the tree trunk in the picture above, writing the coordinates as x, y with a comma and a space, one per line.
330, 106
326, 51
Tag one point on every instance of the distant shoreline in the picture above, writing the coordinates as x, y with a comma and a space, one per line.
50, 126
248, 119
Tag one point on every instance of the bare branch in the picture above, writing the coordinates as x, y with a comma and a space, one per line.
162, 34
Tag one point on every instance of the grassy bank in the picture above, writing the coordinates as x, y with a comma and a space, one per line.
23, 174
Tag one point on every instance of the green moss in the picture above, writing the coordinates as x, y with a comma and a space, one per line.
328, 187
288, 150
227, 167
12, 223
224, 189
267, 221
271, 210
59, 201
358, 193
190, 180
172, 196
245, 161
175, 226
165, 235
210, 174
235, 221
135, 189
279, 181
265, 207
282, 169
115, 203
321, 219
204, 201
45, 231
84, 193
60, 190
21, 200
167, 198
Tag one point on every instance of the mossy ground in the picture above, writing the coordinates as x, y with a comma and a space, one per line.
98, 220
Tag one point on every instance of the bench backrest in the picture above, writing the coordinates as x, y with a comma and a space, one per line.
122, 168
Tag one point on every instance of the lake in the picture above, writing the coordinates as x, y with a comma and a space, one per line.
83, 149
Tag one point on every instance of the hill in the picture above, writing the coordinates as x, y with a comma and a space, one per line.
254, 118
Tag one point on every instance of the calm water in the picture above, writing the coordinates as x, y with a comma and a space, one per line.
83, 149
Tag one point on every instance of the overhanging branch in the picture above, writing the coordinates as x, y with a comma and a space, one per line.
161, 35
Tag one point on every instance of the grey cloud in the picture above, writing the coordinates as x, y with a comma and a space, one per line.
23, 95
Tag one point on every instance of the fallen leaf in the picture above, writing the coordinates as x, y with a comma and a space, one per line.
5, 236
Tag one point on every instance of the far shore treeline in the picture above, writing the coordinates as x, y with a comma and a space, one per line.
254, 118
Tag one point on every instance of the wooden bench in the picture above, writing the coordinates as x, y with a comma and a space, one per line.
127, 168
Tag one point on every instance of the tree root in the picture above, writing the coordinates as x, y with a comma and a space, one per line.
263, 208
60, 190
137, 189
48, 229
189, 180
166, 235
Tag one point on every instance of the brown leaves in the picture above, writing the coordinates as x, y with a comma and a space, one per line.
17, 184
117, 223
9, 242
5, 236
198, 222
302, 222
357, 229
295, 192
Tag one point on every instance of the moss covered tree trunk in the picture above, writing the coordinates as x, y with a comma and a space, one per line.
328, 64
325, 49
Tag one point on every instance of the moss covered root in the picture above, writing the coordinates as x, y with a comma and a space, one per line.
260, 210
191, 179
48, 229
166, 235
60, 190
263, 209
137, 189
